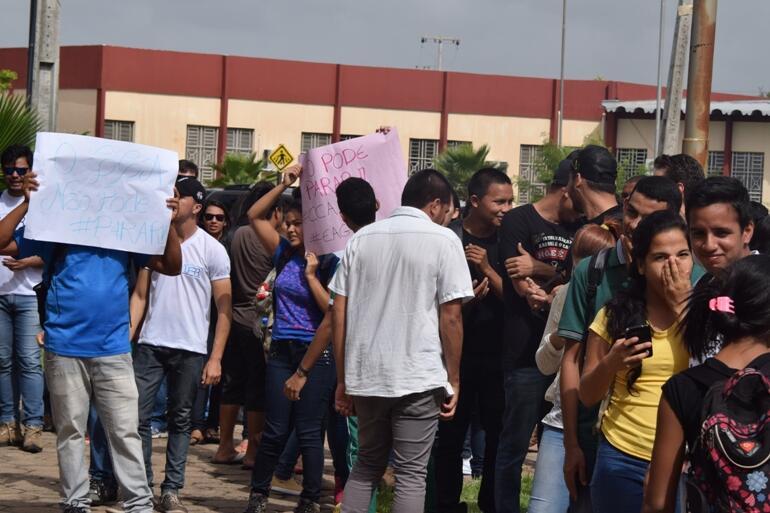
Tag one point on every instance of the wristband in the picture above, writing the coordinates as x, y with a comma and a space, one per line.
302, 373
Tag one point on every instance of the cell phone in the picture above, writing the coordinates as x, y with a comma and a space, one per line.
643, 332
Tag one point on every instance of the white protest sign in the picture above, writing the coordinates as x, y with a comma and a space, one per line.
101, 193
376, 158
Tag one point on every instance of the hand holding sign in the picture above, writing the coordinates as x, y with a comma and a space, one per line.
292, 174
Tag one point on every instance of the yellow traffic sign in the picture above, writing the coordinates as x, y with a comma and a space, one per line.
281, 157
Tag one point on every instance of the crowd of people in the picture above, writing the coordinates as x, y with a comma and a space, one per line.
627, 334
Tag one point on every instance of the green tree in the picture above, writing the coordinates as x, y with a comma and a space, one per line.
7, 76
459, 163
238, 169
18, 123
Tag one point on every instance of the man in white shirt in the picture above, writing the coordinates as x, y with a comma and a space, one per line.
19, 323
173, 337
398, 337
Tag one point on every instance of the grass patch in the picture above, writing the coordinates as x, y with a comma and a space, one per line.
469, 495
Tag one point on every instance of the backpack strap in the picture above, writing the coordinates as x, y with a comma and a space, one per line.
596, 267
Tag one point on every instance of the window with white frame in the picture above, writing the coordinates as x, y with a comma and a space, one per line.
240, 141
716, 163
423, 151
632, 159
312, 140
119, 130
201, 148
748, 167
530, 160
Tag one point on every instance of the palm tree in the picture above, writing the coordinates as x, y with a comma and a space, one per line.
237, 168
459, 163
18, 123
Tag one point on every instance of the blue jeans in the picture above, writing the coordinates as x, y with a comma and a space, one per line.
524, 408
100, 467
305, 416
549, 493
182, 370
21, 374
159, 420
617, 485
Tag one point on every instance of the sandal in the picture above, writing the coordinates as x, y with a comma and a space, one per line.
212, 435
196, 437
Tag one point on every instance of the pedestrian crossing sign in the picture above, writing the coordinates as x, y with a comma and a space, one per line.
281, 157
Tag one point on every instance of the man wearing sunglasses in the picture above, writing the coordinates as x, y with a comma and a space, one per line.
21, 373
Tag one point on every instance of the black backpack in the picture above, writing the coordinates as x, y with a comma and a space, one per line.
730, 460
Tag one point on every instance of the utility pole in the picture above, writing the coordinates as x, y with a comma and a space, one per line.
698, 112
440, 41
669, 138
561, 71
657, 95
43, 61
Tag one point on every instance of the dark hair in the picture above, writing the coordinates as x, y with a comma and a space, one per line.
355, 199
660, 188
758, 211
747, 284
425, 186
188, 166
218, 204
760, 239
720, 189
663, 162
16, 151
685, 170
482, 179
258, 190
629, 306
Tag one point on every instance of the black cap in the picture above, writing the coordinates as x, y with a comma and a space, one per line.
561, 175
596, 164
188, 186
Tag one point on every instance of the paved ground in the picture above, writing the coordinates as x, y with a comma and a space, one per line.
29, 482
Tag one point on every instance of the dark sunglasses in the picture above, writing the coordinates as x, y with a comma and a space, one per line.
21, 171
218, 217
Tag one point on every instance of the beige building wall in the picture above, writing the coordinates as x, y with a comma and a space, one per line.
504, 135
77, 111
161, 120
640, 133
575, 132
410, 124
279, 123
755, 137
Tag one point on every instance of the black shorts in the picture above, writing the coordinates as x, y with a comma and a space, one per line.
243, 370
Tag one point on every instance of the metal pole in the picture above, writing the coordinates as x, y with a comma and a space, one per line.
31, 49
561, 71
440, 46
696, 135
656, 151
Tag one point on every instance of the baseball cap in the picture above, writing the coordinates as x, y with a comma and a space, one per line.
596, 164
561, 175
188, 186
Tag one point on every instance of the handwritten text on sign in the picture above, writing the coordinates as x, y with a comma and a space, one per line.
376, 158
101, 193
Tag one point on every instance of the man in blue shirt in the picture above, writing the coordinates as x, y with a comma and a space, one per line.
88, 353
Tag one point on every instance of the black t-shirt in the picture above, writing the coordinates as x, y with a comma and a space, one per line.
615, 212
685, 391
547, 242
483, 320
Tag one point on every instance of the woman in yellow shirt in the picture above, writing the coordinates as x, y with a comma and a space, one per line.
633, 347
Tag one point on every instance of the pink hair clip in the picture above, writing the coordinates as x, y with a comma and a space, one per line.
722, 304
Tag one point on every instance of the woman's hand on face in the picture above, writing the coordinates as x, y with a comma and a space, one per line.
676, 283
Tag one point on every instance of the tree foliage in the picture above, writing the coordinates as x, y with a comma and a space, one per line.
239, 169
459, 163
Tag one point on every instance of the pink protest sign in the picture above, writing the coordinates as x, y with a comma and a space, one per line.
376, 158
